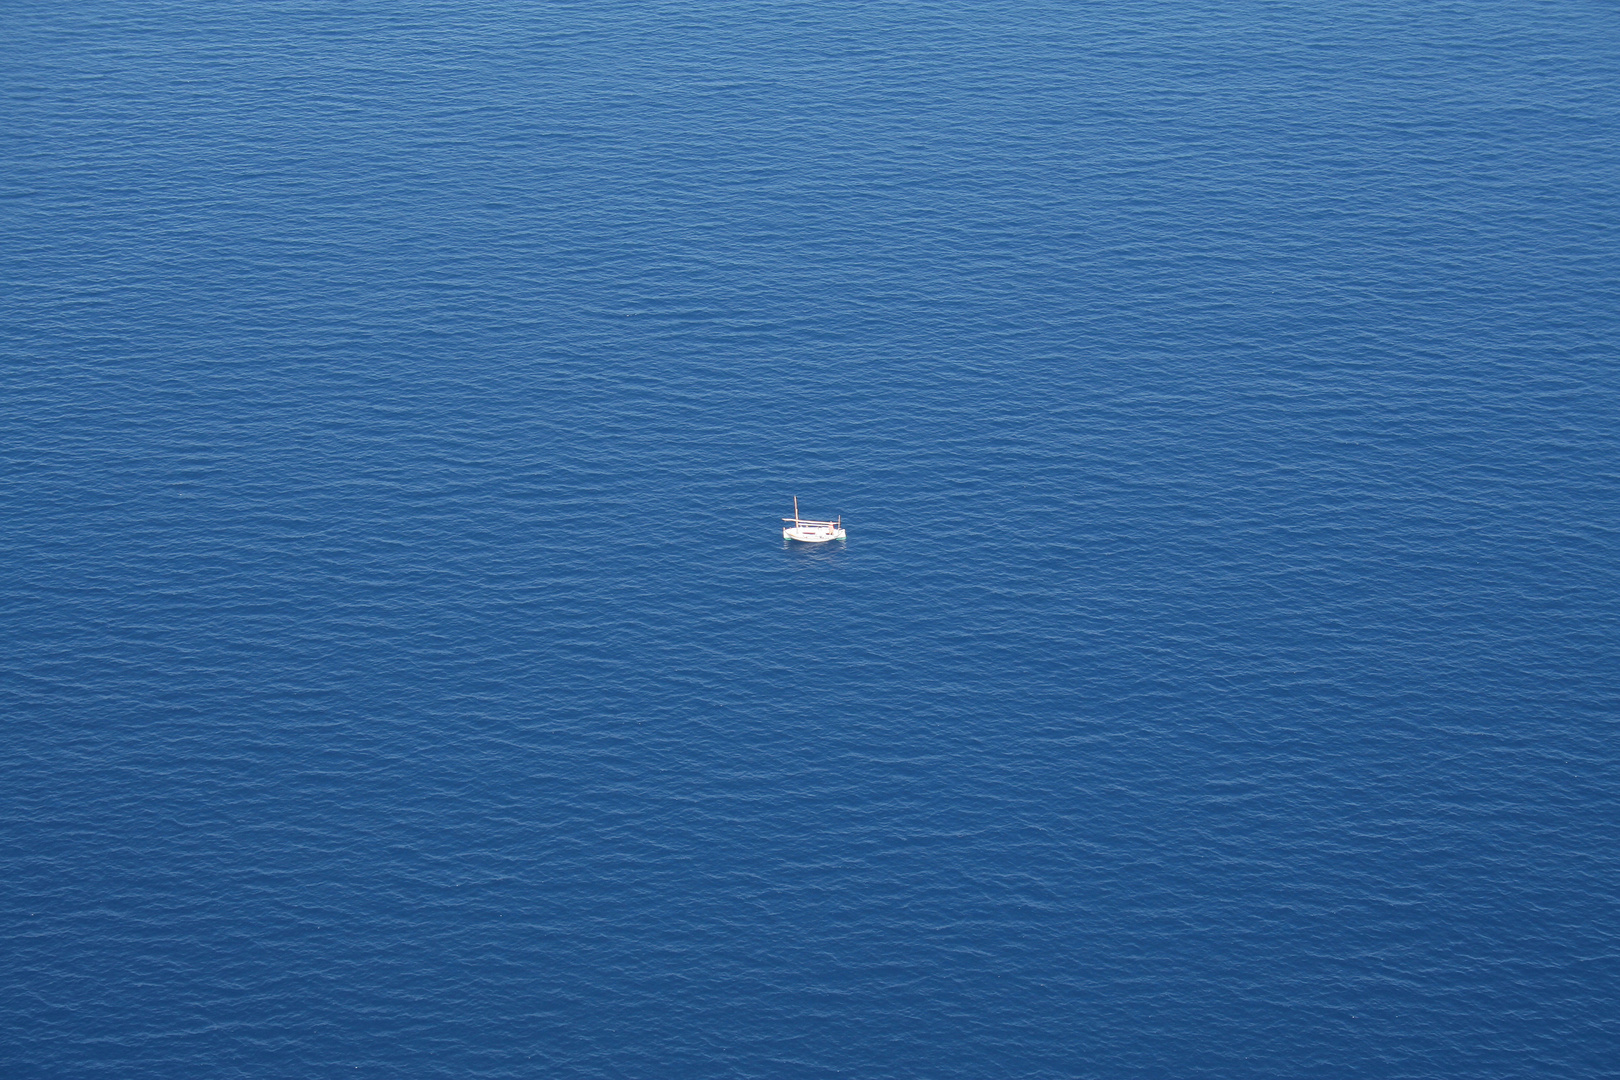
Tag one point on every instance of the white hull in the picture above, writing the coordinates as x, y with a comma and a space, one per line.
812, 535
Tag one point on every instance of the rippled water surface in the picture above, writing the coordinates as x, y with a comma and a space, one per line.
402, 673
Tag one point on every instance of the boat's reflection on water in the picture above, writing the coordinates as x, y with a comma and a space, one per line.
825, 552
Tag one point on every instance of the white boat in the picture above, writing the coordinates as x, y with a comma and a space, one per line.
812, 532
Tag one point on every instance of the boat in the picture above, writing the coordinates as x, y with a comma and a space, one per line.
812, 532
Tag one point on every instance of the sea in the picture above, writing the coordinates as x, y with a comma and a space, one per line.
403, 673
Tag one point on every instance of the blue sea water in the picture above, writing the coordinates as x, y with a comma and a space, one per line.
402, 673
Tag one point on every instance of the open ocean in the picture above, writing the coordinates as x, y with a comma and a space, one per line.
402, 673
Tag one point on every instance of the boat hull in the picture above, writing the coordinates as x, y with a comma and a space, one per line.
812, 536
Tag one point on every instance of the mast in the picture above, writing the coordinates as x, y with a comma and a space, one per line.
795, 511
